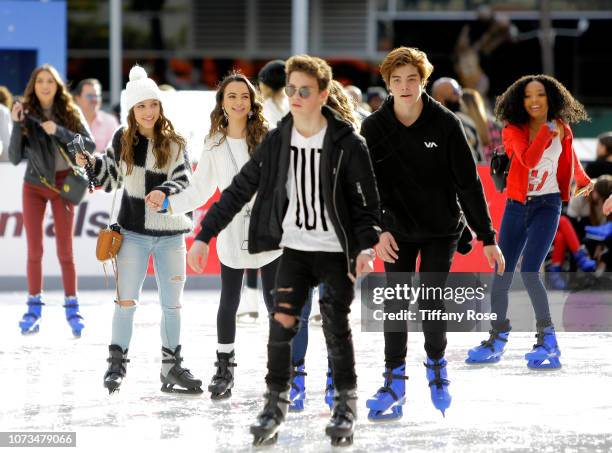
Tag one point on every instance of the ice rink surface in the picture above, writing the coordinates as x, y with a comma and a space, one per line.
53, 382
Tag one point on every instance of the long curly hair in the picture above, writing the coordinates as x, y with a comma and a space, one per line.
561, 104
64, 110
257, 127
339, 101
163, 137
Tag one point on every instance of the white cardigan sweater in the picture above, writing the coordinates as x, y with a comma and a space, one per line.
216, 170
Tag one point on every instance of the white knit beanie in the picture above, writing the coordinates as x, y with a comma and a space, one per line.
140, 88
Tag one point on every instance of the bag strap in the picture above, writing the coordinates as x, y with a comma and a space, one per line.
112, 211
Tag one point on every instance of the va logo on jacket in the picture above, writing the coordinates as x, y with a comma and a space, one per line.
430, 145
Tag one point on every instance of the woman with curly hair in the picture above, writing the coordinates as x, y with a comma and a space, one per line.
42, 127
147, 156
237, 126
537, 111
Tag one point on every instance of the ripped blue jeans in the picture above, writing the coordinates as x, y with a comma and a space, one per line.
169, 254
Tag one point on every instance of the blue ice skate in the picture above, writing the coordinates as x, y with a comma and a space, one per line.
387, 403
583, 261
491, 350
555, 277
30, 321
545, 353
73, 316
297, 393
438, 383
330, 392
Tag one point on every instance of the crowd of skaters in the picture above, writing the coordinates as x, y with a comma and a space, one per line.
298, 104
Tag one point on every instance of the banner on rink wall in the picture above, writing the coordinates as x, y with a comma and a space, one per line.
92, 214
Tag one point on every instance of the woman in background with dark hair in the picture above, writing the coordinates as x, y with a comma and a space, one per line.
537, 111
43, 124
237, 126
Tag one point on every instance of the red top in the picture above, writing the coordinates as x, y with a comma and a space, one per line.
526, 155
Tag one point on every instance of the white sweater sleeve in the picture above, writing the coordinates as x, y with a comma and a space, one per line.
202, 187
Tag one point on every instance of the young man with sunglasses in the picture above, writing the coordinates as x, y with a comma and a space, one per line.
317, 200
428, 187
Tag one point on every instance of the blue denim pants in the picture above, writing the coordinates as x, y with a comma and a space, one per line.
169, 254
528, 230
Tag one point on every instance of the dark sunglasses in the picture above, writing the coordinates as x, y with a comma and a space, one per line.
304, 92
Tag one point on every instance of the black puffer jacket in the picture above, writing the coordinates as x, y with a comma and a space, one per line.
347, 178
39, 148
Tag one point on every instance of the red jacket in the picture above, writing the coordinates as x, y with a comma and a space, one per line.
526, 155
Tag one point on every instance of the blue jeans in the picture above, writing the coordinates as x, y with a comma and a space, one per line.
529, 230
169, 254
300, 341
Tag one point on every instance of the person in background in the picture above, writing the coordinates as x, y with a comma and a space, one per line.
355, 95
6, 125
43, 124
376, 96
447, 92
271, 83
489, 131
88, 96
603, 162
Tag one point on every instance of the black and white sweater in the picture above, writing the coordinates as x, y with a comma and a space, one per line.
145, 177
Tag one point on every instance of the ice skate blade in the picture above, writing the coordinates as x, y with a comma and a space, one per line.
539, 365
296, 406
29, 331
341, 441
221, 396
395, 413
169, 388
113, 388
260, 440
474, 362
248, 317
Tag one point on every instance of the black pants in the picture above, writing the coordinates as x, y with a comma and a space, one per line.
299, 272
231, 286
251, 278
436, 259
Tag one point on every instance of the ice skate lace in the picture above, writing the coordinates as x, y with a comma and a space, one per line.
178, 369
540, 341
342, 410
271, 409
297, 372
117, 365
389, 377
73, 315
438, 381
491, 341
29, 314
223, 366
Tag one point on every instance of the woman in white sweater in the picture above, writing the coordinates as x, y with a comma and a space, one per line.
237, 127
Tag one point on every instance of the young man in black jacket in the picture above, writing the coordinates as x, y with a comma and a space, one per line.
317, 200
428, 186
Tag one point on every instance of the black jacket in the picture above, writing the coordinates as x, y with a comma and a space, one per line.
426, 176
39, 149
347, 178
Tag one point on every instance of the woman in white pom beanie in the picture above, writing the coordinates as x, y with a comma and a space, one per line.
147, 156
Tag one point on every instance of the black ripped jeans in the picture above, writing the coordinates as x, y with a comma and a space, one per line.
298, 273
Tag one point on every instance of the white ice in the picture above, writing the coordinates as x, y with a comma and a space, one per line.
53, 382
